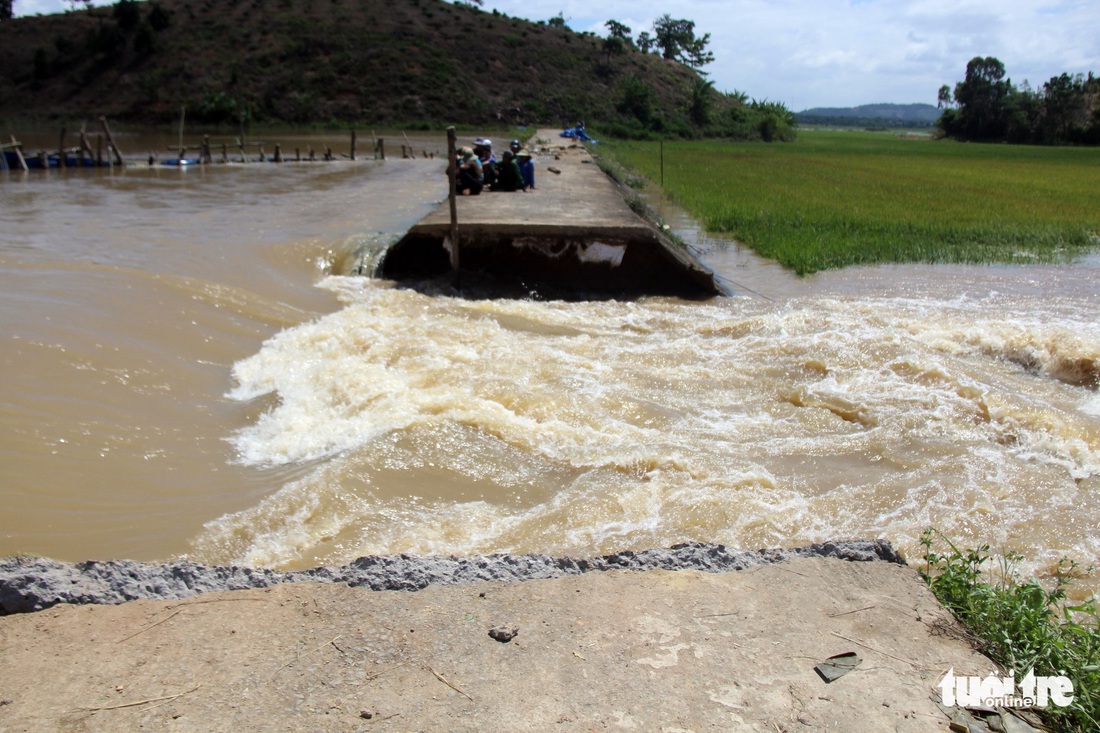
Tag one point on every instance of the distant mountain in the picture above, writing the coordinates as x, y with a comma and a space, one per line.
891, 115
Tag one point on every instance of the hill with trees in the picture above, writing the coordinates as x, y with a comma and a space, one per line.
416, 63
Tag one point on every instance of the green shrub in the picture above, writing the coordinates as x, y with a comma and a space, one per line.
1023, 625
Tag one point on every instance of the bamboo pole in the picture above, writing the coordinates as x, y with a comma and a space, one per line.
111, 142
85, 147
19, 153
183, 114
662, 163
452, 175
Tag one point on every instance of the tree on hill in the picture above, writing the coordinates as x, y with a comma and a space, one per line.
677, 41
617, 41
5, 9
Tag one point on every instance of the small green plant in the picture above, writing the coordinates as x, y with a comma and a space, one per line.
1023, 626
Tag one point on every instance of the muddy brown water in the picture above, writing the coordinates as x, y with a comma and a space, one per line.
187, 372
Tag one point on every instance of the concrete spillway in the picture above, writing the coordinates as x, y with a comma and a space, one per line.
573, 232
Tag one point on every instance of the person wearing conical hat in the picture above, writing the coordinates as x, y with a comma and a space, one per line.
470, 179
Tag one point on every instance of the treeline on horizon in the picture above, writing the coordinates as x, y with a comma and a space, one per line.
987, 107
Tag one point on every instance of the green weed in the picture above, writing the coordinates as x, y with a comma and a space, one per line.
1023, 626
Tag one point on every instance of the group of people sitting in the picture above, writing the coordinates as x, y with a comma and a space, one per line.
478, 168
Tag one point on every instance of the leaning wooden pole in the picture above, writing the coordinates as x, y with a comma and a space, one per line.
19, 153
452, 197
111, 141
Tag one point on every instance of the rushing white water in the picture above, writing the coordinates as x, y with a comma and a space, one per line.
215, 390
449, 426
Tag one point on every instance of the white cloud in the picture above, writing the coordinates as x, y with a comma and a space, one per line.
809, 53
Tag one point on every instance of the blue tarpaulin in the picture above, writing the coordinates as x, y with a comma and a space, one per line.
578, 133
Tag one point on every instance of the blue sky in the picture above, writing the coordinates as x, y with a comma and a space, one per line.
815, 53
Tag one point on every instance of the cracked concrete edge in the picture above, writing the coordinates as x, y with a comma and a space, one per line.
32, 583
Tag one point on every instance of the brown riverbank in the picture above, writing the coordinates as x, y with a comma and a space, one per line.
657, 650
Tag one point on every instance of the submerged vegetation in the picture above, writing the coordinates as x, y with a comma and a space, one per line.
1022, 625
834, 199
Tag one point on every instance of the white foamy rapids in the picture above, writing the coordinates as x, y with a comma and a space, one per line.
450, 426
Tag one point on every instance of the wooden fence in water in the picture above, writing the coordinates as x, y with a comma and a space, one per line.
238, 150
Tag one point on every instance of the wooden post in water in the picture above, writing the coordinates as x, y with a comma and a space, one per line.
62, 159
278, 153
240, 144
206, 157
111, 142
183, 114
381, 148
85, 148
353, 144
662, 163
225, 153
18, 153
99, 150
452, 176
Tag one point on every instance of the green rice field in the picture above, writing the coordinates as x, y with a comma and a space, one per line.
834, 199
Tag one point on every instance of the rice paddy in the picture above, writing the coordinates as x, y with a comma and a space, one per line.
835, 199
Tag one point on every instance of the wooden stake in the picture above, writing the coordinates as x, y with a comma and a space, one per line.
278, 153
353, 144
19, 153
111, 142
381, 148
183, 113
85, 148
452, 174
62, 159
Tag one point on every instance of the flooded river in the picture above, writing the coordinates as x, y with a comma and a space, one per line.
185, 372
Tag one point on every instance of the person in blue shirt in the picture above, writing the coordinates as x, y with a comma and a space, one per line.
526, 167
483, 149
526, 163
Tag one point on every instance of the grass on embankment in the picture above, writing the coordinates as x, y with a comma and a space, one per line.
1022, 625
834, 199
